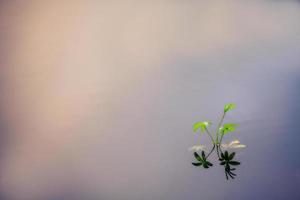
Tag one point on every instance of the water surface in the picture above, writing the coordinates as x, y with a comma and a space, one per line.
98, 99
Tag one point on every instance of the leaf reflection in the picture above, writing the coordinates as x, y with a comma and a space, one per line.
226, 159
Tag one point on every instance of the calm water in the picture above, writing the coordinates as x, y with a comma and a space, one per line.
99, 99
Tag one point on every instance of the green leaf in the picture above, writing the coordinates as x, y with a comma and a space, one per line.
229, 107
202, 125
231, 156
197, 164
226, 128
222, 156
203, 155
226, 155
205, 165
232, 173
198, 157
234, 163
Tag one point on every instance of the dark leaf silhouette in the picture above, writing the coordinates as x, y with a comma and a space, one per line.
202, 160
197, 164
227, 161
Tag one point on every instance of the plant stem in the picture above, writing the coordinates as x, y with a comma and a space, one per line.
218, 127
218, 153
221, 139
212, 139
220, 147
211, 151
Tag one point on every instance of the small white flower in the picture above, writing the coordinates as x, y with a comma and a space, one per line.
235, 144
197, 148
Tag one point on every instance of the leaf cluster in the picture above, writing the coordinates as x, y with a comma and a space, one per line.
202, 160
222, 130
229, 107
226, 128
227, 160
202, 125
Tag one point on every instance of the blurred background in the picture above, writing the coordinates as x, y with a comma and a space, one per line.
98, 98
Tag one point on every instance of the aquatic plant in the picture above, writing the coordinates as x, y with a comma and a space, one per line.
226, 158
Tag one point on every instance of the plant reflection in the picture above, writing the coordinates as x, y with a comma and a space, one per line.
226, 159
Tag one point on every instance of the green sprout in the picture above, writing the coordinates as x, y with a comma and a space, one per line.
222, 130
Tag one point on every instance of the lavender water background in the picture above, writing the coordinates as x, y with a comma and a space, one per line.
98, 98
